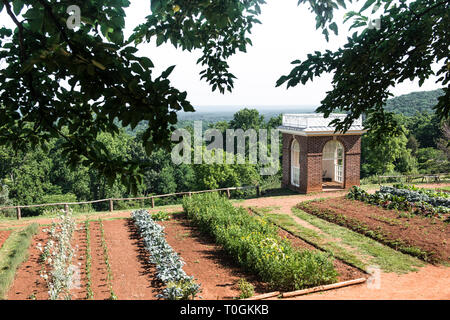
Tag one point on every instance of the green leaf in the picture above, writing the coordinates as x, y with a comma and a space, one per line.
17, 6
146, 63
367, 5
167, 72
334, 28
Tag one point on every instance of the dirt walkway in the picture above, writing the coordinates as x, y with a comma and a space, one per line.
133, 277
429, 283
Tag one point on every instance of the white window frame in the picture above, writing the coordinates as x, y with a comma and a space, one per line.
295, 167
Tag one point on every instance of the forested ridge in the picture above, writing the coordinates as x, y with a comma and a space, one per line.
409, 104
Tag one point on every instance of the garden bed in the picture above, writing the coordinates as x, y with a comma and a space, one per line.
132, 276
425, 237
212, 268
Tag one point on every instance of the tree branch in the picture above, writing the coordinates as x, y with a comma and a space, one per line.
58, 25
19, 27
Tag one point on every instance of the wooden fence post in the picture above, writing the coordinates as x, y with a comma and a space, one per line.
19, 214
258, 191
66, 208
153, 202
111, 205
228, 193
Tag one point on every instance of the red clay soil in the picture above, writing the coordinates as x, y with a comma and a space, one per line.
345, 271
99, 284
429, 283
3, 236
209, 264
430, 235
133, 277
27, 282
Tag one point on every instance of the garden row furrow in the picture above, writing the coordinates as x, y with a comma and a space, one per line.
79, 280
100, 289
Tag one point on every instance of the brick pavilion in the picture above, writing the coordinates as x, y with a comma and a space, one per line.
316, 158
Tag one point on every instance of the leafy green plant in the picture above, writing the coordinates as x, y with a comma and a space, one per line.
169, 265
57, 257
89, 292
161, 216
247, 289
401, 199
109, 275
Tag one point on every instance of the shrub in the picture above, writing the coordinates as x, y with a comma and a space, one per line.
247, 289
255, 245
161, 216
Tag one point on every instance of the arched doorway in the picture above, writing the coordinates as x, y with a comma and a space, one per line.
333, 163
295, 163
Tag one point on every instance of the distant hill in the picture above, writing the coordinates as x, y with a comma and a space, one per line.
409, 104
226, 113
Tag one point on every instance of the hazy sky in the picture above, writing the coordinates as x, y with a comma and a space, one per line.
287, 33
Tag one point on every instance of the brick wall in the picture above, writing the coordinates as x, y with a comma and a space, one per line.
311, 161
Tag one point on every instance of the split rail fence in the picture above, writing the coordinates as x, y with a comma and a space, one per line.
437, 177
111, 200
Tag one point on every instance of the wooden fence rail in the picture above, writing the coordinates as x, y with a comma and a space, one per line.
111, 200
436, 177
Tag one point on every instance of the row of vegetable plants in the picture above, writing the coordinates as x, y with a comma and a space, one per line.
88, 265
109, 274
169, 265
254, 243
403, 199
428, 192
56, 257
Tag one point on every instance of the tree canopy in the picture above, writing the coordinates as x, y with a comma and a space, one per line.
75, 84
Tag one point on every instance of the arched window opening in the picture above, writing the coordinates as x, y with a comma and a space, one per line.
333, 162
295, 163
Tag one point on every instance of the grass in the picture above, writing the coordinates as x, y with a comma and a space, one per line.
346, 245
14, 252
